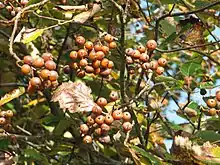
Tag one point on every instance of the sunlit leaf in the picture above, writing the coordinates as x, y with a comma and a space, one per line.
32, 35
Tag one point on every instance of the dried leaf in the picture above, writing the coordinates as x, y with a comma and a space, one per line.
75, 97
12, 95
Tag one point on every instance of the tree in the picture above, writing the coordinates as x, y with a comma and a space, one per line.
94, 82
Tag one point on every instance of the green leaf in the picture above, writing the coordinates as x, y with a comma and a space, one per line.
190, 68
32, 36
167, 27
209, 136
4, 144
206, 85
35, 155
148, 155
61, 127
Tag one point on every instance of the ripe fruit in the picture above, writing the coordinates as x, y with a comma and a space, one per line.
126, 116
24, 2
96, 64
100, 119
83, 62
104, 63
53, 75
87, 139
97, 110
160, 70
212, 112
100, 55
38, 62
151, 45
25, 69
136, 54
90, 120
127, 126
82, 53
110, 64
144, 57
105, 49
211, 103
98, 131
9, 113
113, 96
141, 48
101, 102
3, 113
108, 38
117, 115
97, 71
84, 128
129, 60
98, 47
105, 72
112, 45
47, 56
105, 139
153, 65
105, 128
129, 51
92, 55
9, 8
74, 65
73, 55
80, 40
89, 69
44, 74
217, 95
2, 120
162, 62
28, 60
89, 45
109, 119
35, 81
81, 73
51, 65
145, 66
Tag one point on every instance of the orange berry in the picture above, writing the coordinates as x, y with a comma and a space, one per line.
90, 120
38, 62
141, 48
110, 64
89, 69
35, 81
98, 47
144, 57
217, 95
98, 131
81, 73
105, 128
153, 65
126, 116
44, 74
92, 55
129, 51
212, 112
97, 110
101, 102
104, 63
105, 72
127, 126
117, 115
108, 38
113, 96
162, 62
146, 66
136, 54
47, 56
109, 119
89, 45
25, 69
97, 71
82, 53
28, 60
2, 120
80, 40
211, 103
53, 75
73, 55
112, 45
100, 55
105, 49
83, 62
160, 70
51, 65
87, 139
151, 45
100, 119
84, 128
9, 113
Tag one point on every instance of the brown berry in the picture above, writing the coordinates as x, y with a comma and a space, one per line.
80, 40
89, 45
47, 84
67, 69
108, 38
100, 119
126, 116
98, 131
105, 128
162, 62
44, 74
53, 75
211, 103
112, 45
84, 128
146, 66
81, 73
151, 45
73, 55
47, 56
2, 120
97, 110
113, 96
117, 115
127, 126
90, 120
105, 139
51, 65
28, 60
97, 71
89, 69
101, 102
74, 65
3, 113
38, 62
83, 62
35, 81
87, 139
105, 73
109, 119
25, 69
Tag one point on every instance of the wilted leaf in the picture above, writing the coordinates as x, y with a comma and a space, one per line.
12, 95
75, 97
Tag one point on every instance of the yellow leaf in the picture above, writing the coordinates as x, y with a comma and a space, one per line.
115, 75
110, 105
12, 95
28, 37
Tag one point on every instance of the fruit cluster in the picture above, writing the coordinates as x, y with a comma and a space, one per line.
91, 57
13, 6
98, 124
5, 119
41, 70
141, 57
213, 104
